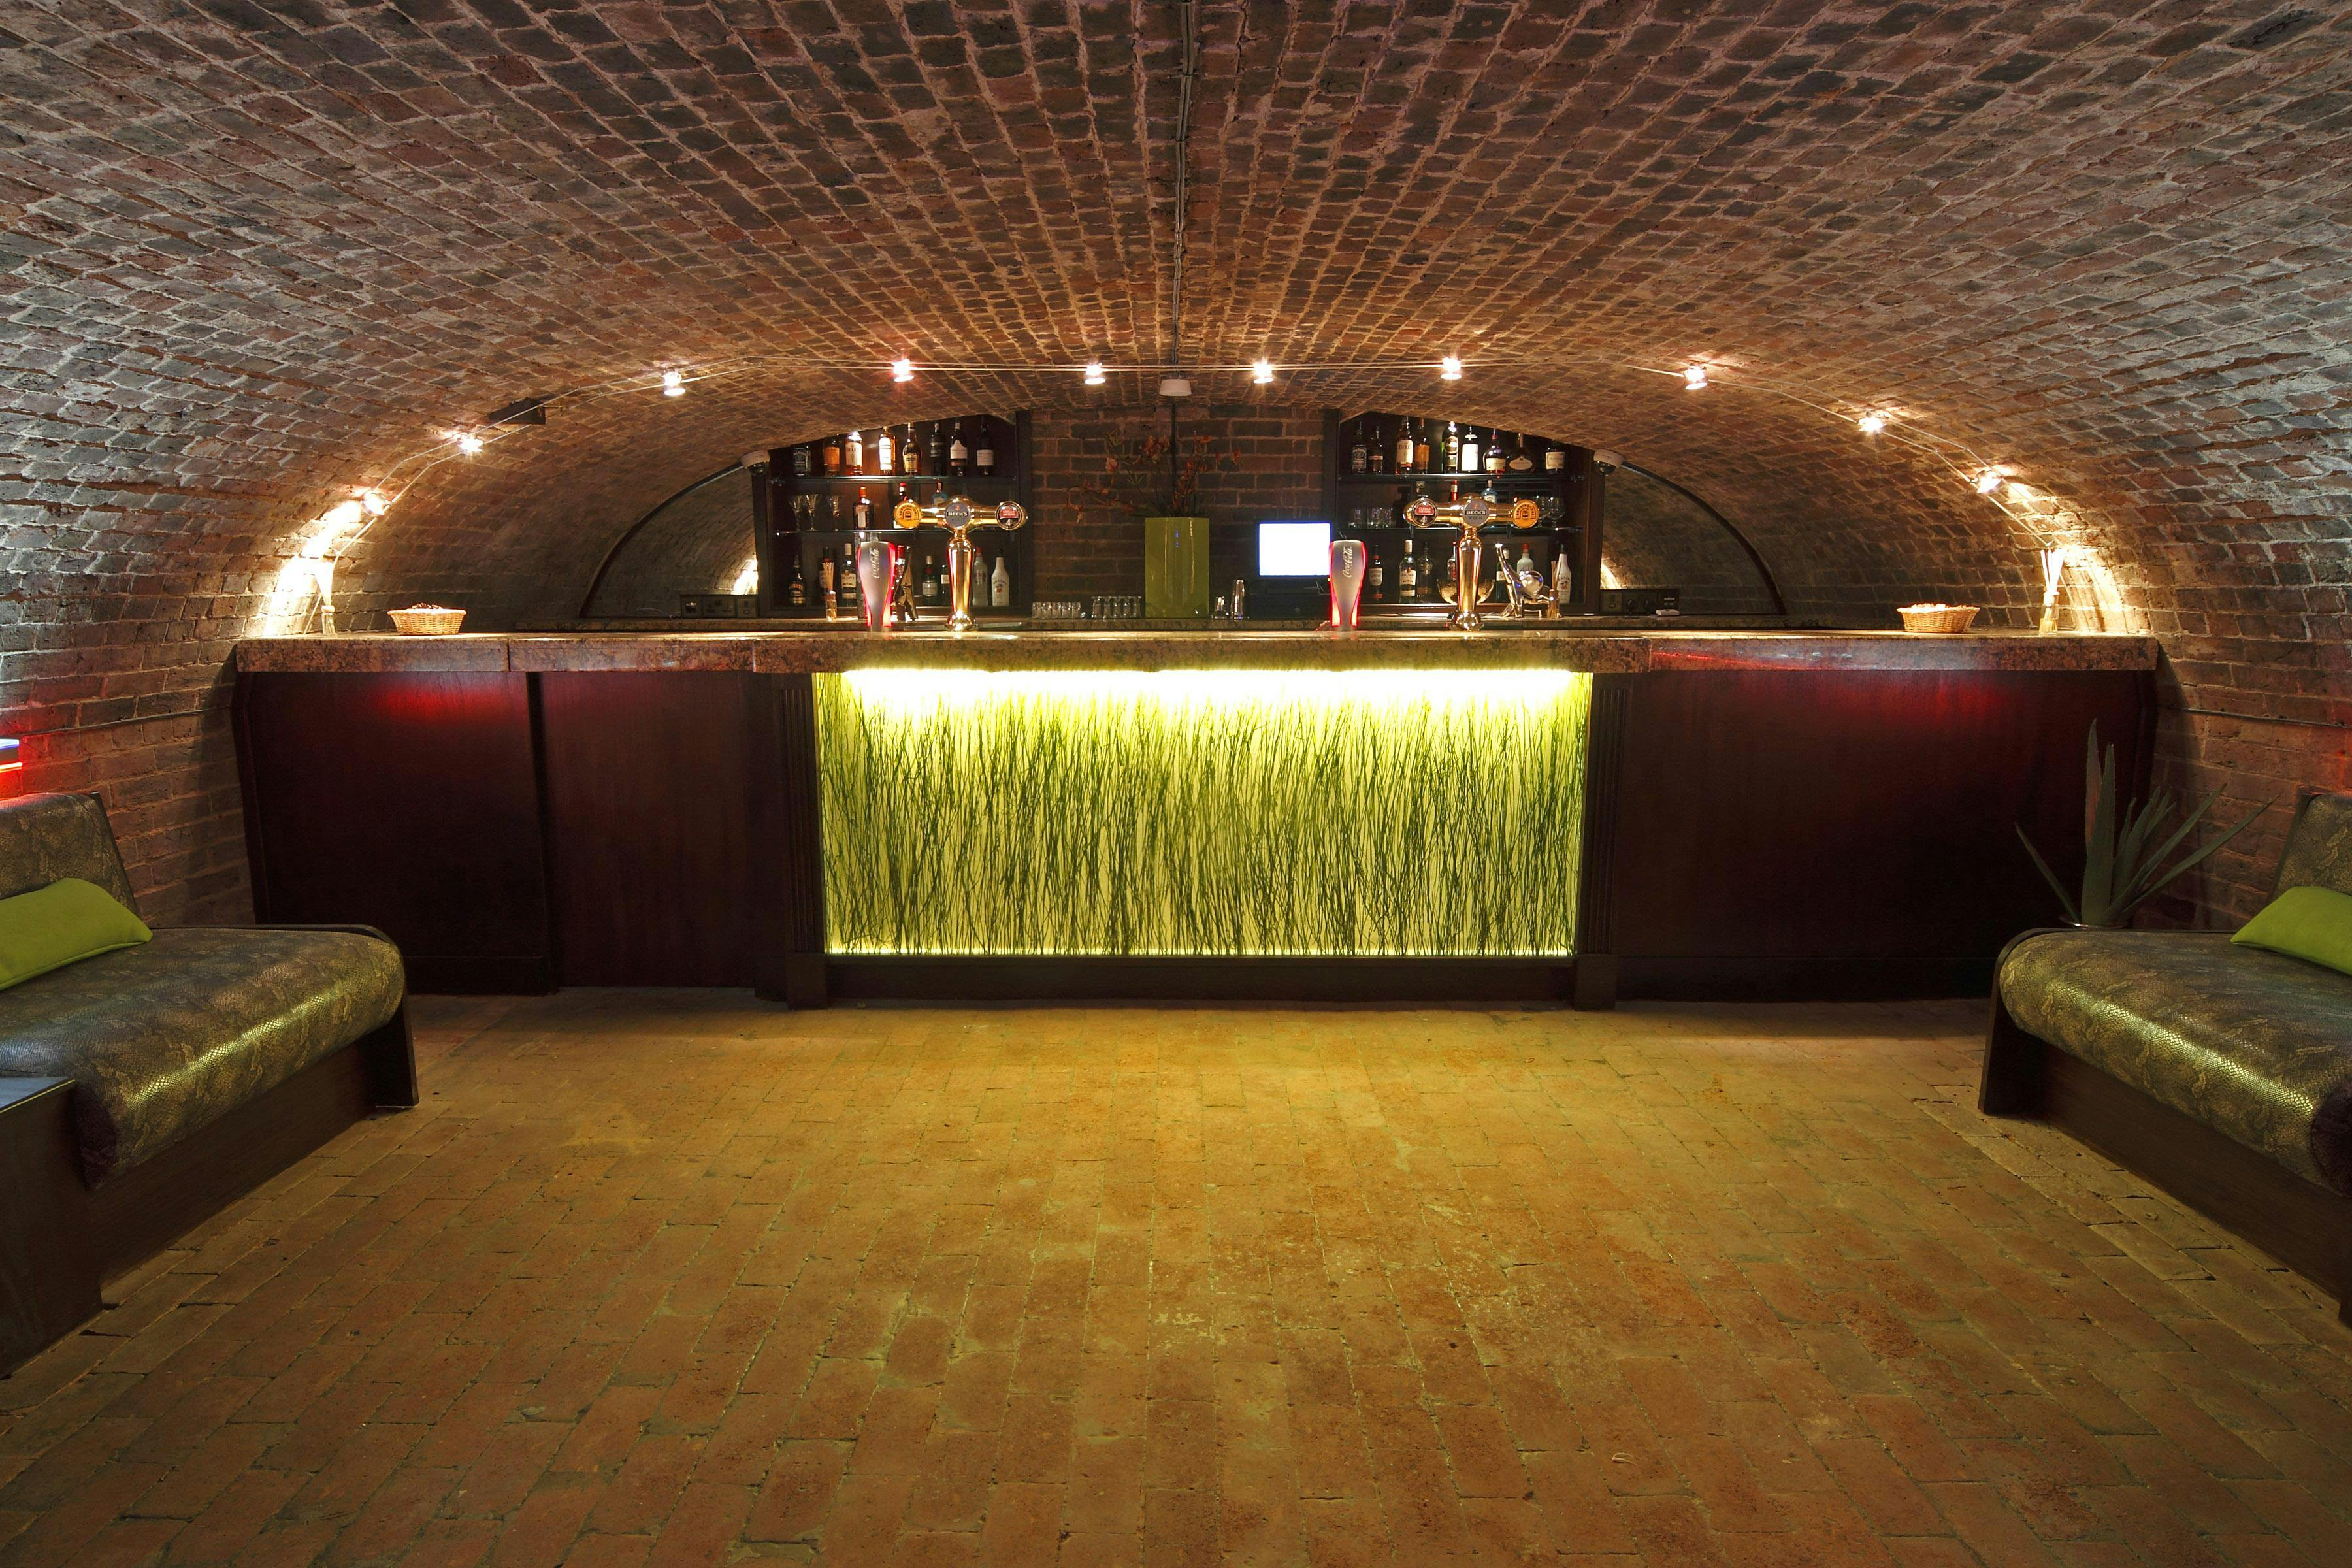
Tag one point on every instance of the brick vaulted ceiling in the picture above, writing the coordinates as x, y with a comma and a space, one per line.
258, 254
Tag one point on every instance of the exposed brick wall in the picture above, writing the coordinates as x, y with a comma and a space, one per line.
259, 255
696, 543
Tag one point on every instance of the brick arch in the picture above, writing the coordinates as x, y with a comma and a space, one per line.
261, 254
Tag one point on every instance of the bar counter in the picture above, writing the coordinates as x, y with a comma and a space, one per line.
1526, 815
1543, 645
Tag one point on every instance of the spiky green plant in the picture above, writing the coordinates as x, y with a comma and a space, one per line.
1188, 812
2120, 871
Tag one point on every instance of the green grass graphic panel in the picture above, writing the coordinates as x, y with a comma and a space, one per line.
1202, 812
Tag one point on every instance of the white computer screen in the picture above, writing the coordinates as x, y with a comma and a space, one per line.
1294, 549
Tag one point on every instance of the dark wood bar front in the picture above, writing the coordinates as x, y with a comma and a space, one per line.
1791, 815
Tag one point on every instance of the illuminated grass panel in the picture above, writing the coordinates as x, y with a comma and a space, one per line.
1202, 812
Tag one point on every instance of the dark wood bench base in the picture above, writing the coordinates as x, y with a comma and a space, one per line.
2300, 1223
66, 1239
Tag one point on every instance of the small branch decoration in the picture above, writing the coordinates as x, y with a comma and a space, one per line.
1137, 479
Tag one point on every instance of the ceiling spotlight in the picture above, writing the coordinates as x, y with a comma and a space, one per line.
902, 370
1262, 373
1449, 369
374, 503
1094, 373
468, 443
1990, 481
1872, 424
1694, 377
673, 384
342, 514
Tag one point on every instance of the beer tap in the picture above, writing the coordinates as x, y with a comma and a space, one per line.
956, 515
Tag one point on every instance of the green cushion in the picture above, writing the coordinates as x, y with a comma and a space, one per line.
2311, 923
63, 923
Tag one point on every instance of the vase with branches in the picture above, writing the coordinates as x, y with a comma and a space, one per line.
1155, 475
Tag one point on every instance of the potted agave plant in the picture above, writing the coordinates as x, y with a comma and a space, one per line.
2125, 845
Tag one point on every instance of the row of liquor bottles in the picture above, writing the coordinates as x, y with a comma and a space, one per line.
1409, 575
961, 448
924, 584
826, 511
1376, 444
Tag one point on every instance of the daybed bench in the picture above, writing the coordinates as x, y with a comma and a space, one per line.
2221, 1073
141, 1089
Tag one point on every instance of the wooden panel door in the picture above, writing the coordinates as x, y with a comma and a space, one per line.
408, 803
649, 803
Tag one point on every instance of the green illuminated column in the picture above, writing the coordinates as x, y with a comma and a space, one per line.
1197, 812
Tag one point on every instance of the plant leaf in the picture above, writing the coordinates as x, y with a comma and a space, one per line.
2194, 859
2049, 875
2099, 841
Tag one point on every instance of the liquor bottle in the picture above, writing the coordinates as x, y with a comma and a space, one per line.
1526, 565
1404, 447
1495, 454
1420, 447
865, 513
832, 453
796, 586
886, 451
910, 461
1446, 591
801, 464
935, 451
1453, 446
1359, 459
999, 587
1555, 457
1522, 461
856, 454
983, 452
1469, 462
1561, 579
824, 573
906, 513
930, 588
959, 454
1409, 575
1379, 451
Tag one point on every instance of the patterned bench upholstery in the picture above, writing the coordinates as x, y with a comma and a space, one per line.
2255, 1046
163, 1039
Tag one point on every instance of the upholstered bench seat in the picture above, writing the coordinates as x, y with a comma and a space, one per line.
2254, 1044
167, 1037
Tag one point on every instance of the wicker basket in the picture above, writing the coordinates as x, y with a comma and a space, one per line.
427, 621
1937, 618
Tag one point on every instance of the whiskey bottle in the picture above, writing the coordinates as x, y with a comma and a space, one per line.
984, 455
796, 586
886, 451
1453, 446
1404, 447
1379, 451
1359, 459
1469, 462
906, 513
999, 587
1555, 457
856, 454
865, 512
832, 453
910, 461
1409, 575
1378, 575
1421, 447
959, 454
801, 464
1495, 454
935, 451
1521, 461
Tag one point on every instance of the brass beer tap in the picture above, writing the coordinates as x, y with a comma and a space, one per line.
956, 515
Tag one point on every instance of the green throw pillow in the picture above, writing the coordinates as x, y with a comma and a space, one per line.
2310, 923
61, 924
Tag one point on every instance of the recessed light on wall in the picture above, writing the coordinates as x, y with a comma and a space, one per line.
1990, 481
467, 442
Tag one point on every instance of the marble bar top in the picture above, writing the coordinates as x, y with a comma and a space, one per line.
1545, 647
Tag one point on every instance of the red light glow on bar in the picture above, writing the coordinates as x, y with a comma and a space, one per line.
11, 759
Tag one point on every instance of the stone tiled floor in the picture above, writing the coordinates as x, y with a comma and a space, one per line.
678, 1279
